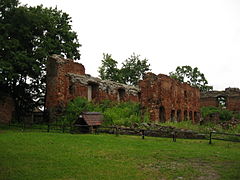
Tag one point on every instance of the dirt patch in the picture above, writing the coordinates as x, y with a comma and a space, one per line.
181, 170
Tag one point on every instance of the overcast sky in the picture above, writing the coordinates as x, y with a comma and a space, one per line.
169, 33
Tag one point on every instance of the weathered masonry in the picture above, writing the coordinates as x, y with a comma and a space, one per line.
169, 100
7, 108
166, 99
67, 79
229, 99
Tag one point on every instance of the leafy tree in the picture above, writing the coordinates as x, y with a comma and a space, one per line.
133, 69
192, 76
28, 35
131, 72
109, 69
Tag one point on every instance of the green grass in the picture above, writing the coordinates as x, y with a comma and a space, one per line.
206, 128
58, 156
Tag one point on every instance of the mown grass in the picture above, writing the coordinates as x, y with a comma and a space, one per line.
38, 155
205, 128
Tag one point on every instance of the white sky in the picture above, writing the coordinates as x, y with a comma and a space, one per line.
169, 33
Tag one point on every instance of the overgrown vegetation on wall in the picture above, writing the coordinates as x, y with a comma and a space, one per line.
126, 113
224, 114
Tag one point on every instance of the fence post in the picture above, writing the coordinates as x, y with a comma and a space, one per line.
174, 136
210, 138
143, 133
116, 131
48, 130
63, 128
23, 126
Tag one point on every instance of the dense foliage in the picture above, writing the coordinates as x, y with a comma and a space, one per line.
224, 114
125, 113
132, 70
28, 35
191, 76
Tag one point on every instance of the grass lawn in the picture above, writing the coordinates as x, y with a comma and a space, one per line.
36, 155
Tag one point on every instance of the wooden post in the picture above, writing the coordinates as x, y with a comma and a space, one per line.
116, 131
23, 126
63, 128
143, 133
174, 136
91, 129
210, 138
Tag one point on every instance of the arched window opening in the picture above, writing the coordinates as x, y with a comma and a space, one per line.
222, 102
92, 91
196, 116
121, 94
71, 89
173, 116
162, 116
185, 115
190, 115
179, 115
185, 94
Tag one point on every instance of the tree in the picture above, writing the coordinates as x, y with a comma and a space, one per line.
28, 35
130, 73
192, 76
109, 69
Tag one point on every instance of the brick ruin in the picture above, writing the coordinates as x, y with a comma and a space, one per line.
165, 98
7, 107
169, 100
228, 99
67, 80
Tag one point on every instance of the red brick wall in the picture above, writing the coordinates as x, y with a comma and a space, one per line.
58, 83
167, 99
7, 108
232, 96
233, 103
67, 80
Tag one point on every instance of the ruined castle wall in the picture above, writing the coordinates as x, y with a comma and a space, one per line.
67, 80
166, 99
208, 101
169, 100
97, 90
58, 83
229, 99
234, 104
7, 107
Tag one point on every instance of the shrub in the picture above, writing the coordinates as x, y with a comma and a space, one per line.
125, 113
224, 114
74, 108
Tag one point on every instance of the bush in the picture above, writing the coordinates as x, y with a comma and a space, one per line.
237, 116
125, 113
74, 108
224, 115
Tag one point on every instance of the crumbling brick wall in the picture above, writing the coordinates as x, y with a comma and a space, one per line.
165, 98
58, 83
229, 99
169, 100
7, 107
67, 80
